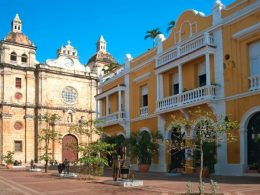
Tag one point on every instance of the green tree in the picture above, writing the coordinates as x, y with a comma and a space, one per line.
152, 34
48, 135
171, 24
111, 68
209, 129
144, 146
8, 158
94, 153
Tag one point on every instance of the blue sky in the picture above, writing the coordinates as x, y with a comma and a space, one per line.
123, 23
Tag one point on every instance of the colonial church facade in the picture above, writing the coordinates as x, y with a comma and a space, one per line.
29, 89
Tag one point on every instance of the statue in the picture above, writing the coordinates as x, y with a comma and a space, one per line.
116, 167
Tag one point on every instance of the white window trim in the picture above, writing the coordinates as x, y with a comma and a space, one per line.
246, 32
142, 77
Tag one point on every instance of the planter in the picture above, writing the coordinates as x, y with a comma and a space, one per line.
180, 170
9, 166
205, 172
252, 171
144, 168
124, 173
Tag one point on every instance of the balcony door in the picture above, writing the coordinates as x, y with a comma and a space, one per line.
175, 84
202, 75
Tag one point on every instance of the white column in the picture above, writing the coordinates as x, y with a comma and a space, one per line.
97, 109
100, 108
157, 86
127, 109
162, 148
207, 69
107, 105
160, 86
119, 101
159, 91
180, 78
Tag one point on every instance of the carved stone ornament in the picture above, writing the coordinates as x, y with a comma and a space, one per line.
18, 95
18, 125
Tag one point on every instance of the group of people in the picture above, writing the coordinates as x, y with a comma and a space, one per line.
65, 167
17, 163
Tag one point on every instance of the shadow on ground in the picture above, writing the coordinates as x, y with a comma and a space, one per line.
183, 177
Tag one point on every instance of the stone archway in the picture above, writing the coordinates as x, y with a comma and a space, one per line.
69, 151
253, 140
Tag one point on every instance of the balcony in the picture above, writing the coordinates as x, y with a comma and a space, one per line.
144, 111
111, 119
188, 98
254, 82
185, 48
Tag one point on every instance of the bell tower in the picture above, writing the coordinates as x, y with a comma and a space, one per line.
16, 24
101, 44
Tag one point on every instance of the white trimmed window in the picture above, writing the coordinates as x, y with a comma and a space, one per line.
144, 96
175, 84
254, 58
18, 146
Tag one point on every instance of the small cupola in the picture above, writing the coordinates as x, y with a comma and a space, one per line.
101, 44
68, 50
16, 24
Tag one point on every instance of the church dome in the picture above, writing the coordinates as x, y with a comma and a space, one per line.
101, 56
17, 37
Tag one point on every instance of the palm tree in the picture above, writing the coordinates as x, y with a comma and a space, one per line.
152, 34
170, 25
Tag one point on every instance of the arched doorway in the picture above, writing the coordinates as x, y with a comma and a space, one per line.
177, 154
69, 148
253, 141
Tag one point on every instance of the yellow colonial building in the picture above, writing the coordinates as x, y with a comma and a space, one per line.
211, 62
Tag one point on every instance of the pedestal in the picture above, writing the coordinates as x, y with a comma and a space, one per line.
125, 182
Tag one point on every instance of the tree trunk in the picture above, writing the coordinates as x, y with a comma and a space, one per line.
46, 157
201, 161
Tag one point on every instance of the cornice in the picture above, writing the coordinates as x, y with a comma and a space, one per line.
16, 67
33, 106
84, 75
19, 45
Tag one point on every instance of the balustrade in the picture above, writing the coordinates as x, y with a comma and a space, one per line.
254, 82
186, 98
185, 48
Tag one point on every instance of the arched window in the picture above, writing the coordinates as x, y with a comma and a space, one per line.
24, 58
13, 56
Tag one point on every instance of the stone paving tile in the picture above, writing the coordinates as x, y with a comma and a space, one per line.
23, 182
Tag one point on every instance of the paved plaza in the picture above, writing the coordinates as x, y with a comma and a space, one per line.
24, 182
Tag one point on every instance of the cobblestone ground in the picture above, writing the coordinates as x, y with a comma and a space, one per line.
24, 182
